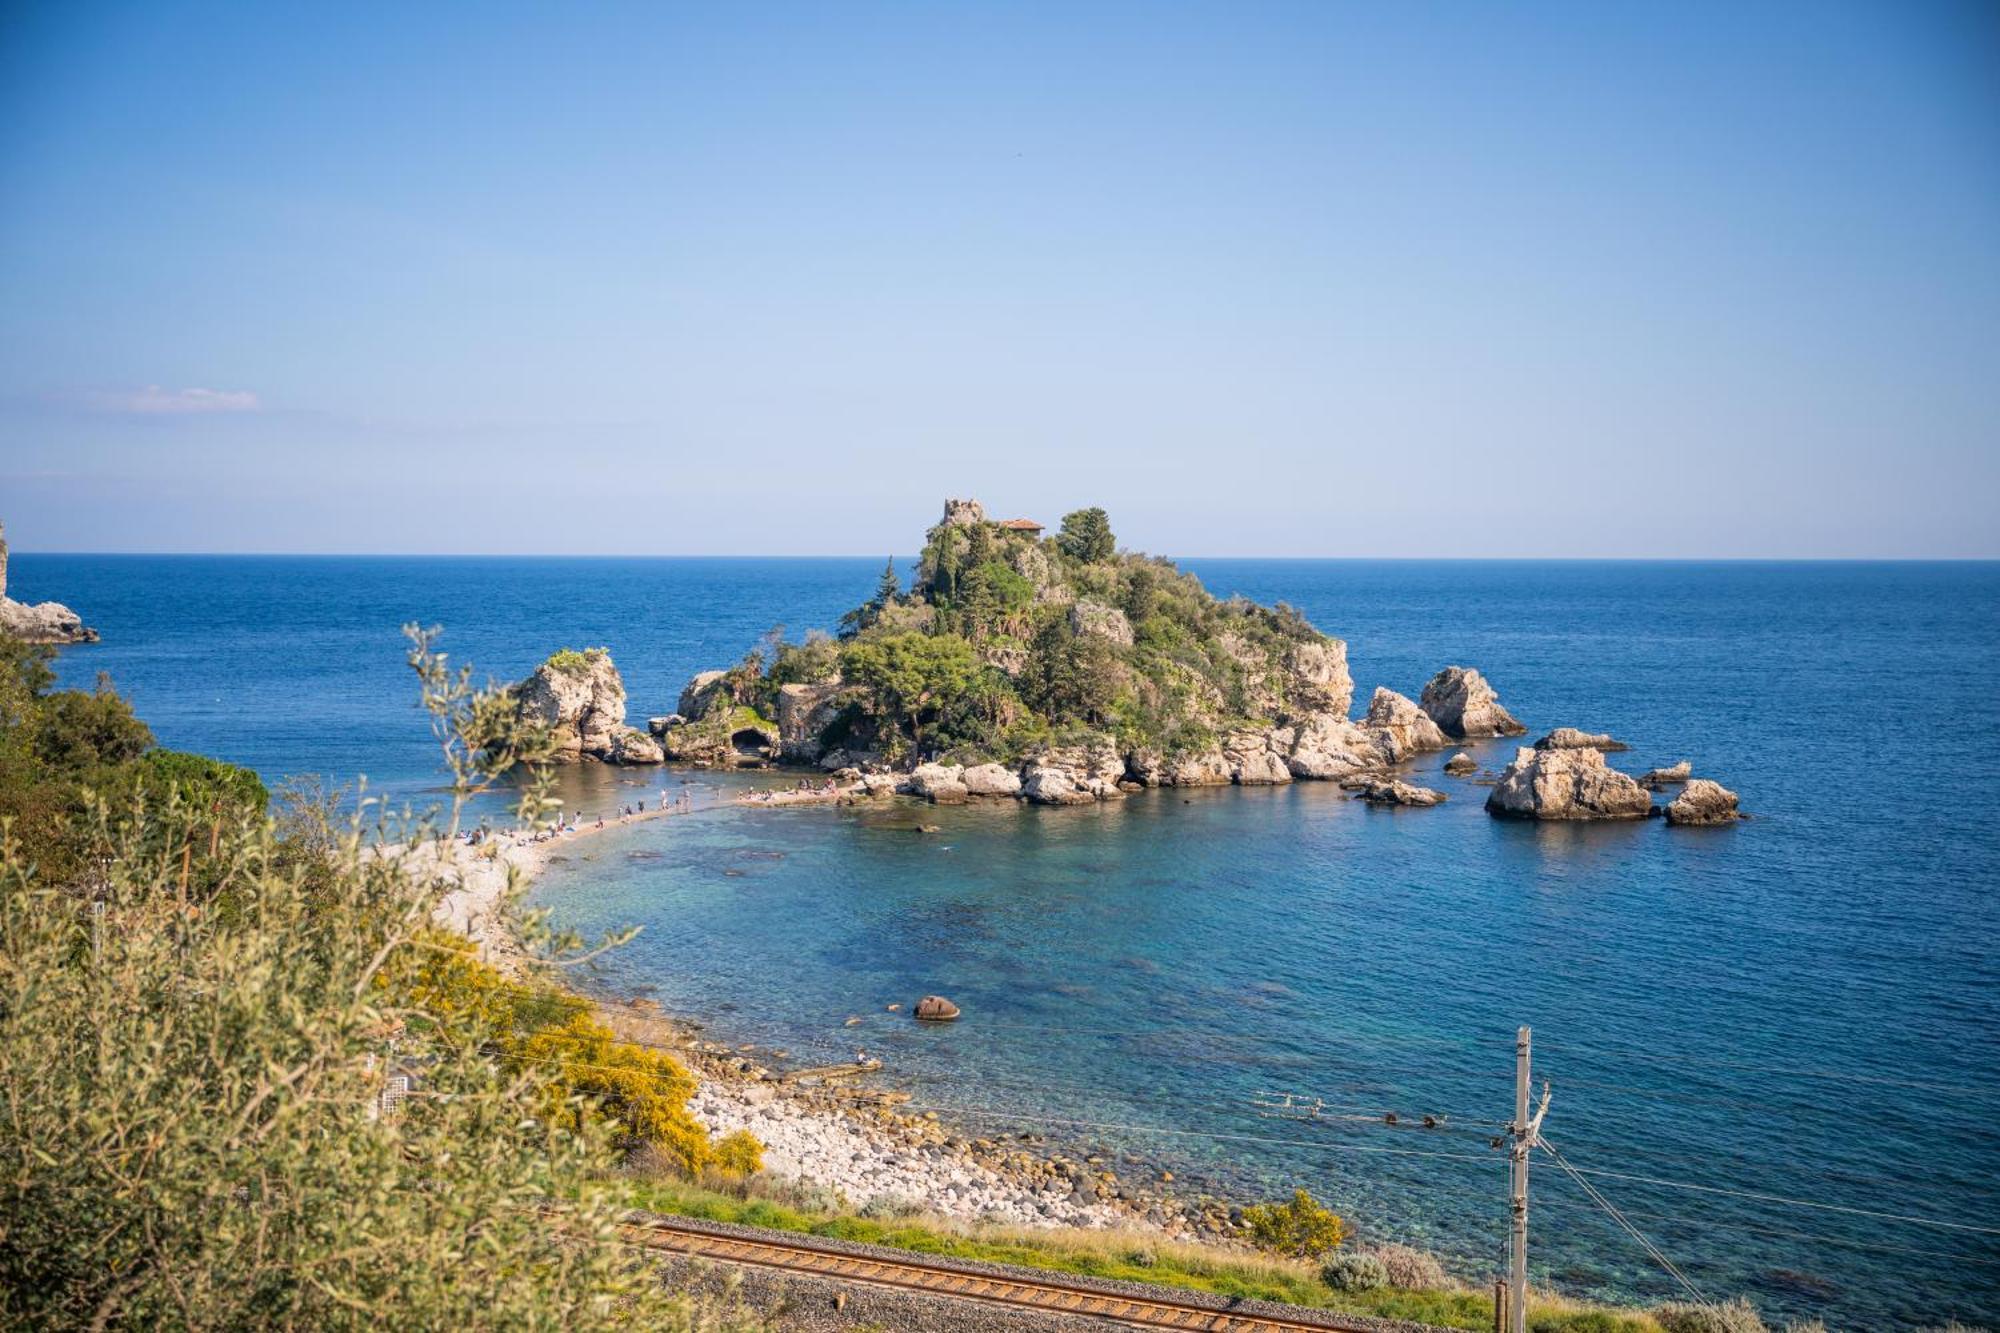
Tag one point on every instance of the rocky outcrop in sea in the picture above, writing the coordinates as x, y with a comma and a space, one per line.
42, 622
1703, 802
1566, 784
580, 698
1460, 701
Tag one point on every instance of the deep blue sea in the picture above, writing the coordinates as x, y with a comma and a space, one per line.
1803, 1008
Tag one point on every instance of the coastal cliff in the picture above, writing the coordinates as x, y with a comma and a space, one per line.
43, 622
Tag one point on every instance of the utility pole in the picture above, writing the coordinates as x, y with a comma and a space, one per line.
1523, 1132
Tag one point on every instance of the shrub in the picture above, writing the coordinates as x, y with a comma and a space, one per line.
205, 783
573, 663
1411, 1269
739, 1153
1304, 1228
1354, 1272
1735, 1316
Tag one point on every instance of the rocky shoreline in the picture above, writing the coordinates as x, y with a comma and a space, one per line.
41, 622
821, 1129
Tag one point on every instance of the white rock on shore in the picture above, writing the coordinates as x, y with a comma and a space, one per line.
846, 1155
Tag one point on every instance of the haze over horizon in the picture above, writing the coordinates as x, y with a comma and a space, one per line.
1284, 280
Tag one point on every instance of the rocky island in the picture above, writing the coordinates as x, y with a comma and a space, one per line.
43, 622
1065, 671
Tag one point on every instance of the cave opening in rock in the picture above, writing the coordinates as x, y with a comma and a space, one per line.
749, 743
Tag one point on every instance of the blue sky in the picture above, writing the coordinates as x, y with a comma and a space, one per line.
1262, 279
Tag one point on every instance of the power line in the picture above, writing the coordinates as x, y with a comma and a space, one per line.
1621, 1220
1790, 1202
1788, 1072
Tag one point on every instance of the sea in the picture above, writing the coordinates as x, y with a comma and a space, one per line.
1773, 1048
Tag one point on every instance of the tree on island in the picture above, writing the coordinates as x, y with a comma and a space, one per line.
888, 591
1086, 536
909, 673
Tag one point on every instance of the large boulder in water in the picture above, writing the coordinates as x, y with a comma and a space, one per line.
1703, 802
1667, 777
1566, 784
580, 698
1400, 728
940, 784
1460, 701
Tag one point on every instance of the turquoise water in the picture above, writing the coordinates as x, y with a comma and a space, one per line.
1804, 1006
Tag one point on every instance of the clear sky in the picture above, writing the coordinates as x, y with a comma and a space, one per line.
1623, 279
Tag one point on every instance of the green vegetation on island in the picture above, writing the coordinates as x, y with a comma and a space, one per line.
1007, 644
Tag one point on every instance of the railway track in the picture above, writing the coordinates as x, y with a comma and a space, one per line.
910, 1273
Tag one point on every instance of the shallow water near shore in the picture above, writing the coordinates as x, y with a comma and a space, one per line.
1806, 1006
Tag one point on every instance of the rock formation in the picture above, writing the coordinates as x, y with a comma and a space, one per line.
1460, 701
1393, 791
1566, 784
991, 780
712, 729
1667, 777
940, 784
1461, 765
935, 1009
1400, 728
580, 698
1703, 802
43, 622
1570, 738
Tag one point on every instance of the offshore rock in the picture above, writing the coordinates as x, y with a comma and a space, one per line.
1703, 802
1461, 764
1667, 777
1566, 784
1463, 705
935, 1009
1399, 728
580, 699
1393, 791
1570, 738
43, 622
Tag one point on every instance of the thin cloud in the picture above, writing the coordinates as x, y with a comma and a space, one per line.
154, 401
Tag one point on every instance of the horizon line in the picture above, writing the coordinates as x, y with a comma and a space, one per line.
706, 555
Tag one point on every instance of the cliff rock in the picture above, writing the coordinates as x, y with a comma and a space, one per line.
1463, 705
43, 622
804, 713
1703, 802
1566, 784
1326, 746
580, 698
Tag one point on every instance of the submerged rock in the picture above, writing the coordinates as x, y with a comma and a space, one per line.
1566, 784
1461, 764
1703, 802
1392, 791
1460, 701
1570, 738
1667, 777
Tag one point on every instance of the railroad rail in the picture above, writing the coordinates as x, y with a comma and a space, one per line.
1047, 1295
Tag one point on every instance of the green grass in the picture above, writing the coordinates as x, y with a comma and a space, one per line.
1127, 1256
